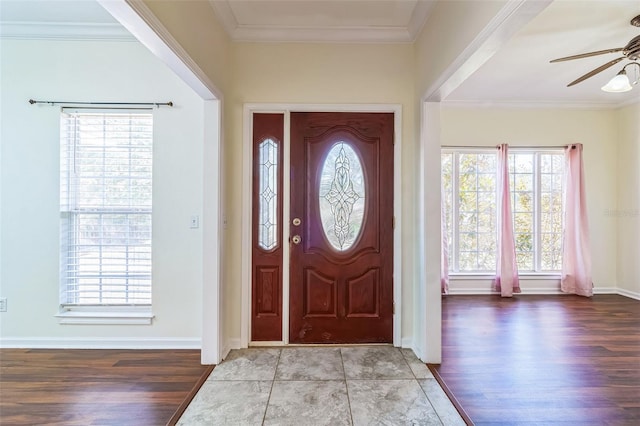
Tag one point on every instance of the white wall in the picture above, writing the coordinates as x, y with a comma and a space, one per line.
95, 71
627, 212
596, 130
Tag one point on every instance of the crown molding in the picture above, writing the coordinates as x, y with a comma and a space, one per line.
225, 15
524, 104
64, 31
246, 33
419, 18
258, 33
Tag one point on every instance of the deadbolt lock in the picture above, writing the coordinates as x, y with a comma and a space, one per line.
296, 221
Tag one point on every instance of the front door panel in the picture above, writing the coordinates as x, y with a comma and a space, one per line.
341, 245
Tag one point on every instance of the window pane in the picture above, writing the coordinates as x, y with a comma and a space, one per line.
268, 194
551, 215
523, 201
447, 194
476, 211
468, 241
342, 196
524, 261
523, 163
468, 201
522, 182
106, 198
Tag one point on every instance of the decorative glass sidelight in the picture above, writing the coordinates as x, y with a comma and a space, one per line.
342, 196
268, 194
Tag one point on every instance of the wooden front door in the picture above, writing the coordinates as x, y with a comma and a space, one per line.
341, 244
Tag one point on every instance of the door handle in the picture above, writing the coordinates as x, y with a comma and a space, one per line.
296, 239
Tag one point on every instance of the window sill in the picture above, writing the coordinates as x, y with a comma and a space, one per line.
524, 275
105, 315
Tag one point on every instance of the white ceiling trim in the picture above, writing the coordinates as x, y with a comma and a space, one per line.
225, 15
345, 34
64, 31
534, 105
246, 33
419, 18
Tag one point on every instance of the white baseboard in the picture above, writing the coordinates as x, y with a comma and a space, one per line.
488, 291
99, 343
470, 291
407, 342
530, 290
605, 290
628, 293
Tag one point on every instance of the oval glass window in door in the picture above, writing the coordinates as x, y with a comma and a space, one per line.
342, 196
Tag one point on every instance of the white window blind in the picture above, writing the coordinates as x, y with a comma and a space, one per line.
106, 187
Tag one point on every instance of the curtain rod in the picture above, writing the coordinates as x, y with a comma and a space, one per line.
572, 145
63, 103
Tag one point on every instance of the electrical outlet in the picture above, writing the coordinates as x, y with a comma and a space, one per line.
195, 222
3, 304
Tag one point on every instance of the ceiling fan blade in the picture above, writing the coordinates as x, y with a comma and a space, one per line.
596, 71
586, 55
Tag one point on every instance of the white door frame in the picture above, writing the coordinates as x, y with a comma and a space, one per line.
247, 173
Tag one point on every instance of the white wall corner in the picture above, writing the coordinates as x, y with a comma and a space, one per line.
229, 345
428, 324
211, 248
407, 342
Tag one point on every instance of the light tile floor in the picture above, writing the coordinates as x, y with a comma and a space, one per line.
359, 385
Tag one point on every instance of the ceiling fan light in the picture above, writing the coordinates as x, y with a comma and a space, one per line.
618, 84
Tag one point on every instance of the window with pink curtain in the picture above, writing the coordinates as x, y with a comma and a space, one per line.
576, 255
506, 280
444, 252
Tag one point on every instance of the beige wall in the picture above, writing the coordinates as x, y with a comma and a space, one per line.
195, 27
627, 212
317, 74
596, 130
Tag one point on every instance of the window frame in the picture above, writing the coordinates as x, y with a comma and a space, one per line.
98, 313
454, 232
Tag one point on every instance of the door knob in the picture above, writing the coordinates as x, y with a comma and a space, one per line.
296, 239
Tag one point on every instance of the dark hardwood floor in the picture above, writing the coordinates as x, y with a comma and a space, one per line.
95, 387
543, 360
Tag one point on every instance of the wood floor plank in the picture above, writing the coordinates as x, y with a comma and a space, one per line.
95, 387
550, 360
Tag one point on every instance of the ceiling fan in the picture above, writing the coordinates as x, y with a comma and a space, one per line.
631, 51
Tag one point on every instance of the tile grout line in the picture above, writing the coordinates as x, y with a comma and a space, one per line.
273, 380
421, 388
346, 385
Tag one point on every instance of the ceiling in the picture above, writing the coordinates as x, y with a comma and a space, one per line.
519, 73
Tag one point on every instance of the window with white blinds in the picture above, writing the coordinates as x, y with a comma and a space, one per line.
105, 194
